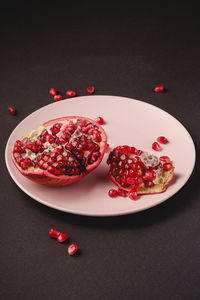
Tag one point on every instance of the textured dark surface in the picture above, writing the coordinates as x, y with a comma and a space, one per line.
125, 51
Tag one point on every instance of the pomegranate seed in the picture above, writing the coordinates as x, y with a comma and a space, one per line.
167, 166
90, 90
149, 184
162, 140
97, 137
70, 93
100, 120
26, 163
53, 91
130, 180
58, 97
149, 175
11, 110
54, 233
132, 195
156, 146
165, 159
62, 237
73, 248
113, 193
122, 193
159, 89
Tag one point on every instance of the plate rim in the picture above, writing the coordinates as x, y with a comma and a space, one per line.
84, 213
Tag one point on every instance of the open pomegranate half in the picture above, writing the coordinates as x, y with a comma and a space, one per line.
61, 151
137, 171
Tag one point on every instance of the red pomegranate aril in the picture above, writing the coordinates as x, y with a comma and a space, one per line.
149, 184
159, 89
156, 146
63, 236
149, 175
26, 163
54, 233
53, 91
167, 166
59, 158
58, 97
122, 193
100, 120
59, 150
72, 249
162, 140
132, 195
70, 93
90, 90
113, 193
165, 159
97, 137
130, 180
11, 110
49, 137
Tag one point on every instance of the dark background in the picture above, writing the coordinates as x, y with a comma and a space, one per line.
125, 50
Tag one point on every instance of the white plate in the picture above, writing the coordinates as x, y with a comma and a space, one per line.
128, 122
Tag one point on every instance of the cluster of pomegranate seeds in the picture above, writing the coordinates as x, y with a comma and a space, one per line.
131, 169
90, 90
70, 93
12, 110
159, 89
161, 140
61, 149
61, 238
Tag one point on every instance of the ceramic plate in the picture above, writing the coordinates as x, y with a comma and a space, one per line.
128, 122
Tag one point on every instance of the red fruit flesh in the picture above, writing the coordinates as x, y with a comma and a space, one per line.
100, 120
138, 171
159, 89
113, 193
61, 151
70, 93
58, 97
62, 237
11, 110
156, 146
162, 140
90, 90
73, 248
53, 91
54, 233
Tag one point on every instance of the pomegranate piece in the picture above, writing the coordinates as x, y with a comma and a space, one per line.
159, 89
72, 249
70, 93
62, 237
100, 120
12, 110
162, 140
90, 90
138, 172
113, 193
58, 97
54, 233
62, 151
156, 146
53, 91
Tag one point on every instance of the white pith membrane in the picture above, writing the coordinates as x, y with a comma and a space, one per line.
86, 148
122, 163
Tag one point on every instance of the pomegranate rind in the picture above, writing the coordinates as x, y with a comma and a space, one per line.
43, 177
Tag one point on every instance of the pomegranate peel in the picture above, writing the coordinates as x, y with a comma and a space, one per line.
43, 155
132, 171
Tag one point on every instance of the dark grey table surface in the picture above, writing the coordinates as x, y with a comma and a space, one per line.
124, 50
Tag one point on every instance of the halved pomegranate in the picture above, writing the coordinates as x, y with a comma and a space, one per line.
137, 171
61, 151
